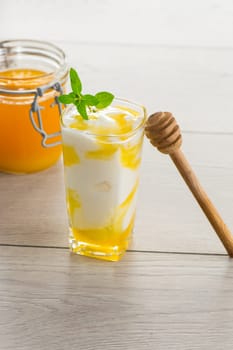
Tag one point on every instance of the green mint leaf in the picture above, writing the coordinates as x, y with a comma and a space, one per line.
66, 99
82, 102
90, 100
104, 98
81, 107
75, 81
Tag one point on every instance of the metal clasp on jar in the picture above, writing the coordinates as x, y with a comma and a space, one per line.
36, 108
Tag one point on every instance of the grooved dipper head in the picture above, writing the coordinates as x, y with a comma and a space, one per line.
163, 132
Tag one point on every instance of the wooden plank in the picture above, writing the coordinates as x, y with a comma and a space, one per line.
32, 207
166, 22
193, 83
53, 300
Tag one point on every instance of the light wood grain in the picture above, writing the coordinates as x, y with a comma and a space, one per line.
180, 22
203, 200
53, 300
195, 84
32, 207
50, 299
163, 132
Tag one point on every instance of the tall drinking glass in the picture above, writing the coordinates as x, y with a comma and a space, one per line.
101, 161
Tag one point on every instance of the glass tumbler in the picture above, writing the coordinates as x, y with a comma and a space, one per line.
101, 181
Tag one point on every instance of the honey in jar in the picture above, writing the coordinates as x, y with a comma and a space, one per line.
32, 75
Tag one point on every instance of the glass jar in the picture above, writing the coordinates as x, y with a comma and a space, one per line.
32, 75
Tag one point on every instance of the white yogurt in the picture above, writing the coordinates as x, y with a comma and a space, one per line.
102, 185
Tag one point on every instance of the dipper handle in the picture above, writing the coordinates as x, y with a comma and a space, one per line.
164, 133
203, 200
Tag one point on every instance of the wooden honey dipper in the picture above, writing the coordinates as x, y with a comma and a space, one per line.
164, 133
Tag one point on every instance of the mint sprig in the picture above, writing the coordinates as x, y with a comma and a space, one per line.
83, 102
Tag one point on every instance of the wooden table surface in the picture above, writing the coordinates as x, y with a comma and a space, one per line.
173, 289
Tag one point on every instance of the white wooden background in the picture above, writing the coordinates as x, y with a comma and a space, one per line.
173, 289
166, 54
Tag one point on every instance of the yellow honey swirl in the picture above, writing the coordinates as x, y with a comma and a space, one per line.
130, 110
79, 123
70, 155
113, 233
123, 124
73, 202
104, 238
124, 207
130, 156
105, 151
